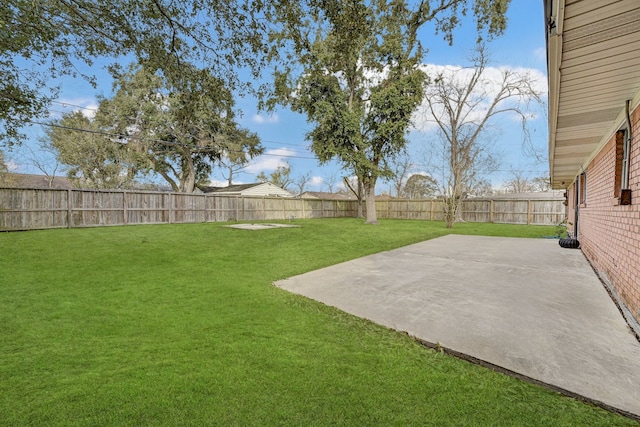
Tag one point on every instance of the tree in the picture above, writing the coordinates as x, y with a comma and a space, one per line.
400, 168
3, 166
42, 40
280, 177
360, 81
541, 183
177, 126
93, 159
420, 186
45, 160
6, 179
330, 181
182, 124
301, 182
242, 146
518, 183
463, 102
481, 188
354, 185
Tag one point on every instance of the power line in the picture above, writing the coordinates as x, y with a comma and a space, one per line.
173, 143
67, 104
286, 143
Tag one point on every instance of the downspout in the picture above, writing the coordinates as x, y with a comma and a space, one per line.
628, 117
576, 209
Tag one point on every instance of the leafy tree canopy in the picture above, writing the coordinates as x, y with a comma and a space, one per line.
420, 186
41, 40
178, 128
359, 81
94, 159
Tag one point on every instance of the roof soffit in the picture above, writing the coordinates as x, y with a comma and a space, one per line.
594, 68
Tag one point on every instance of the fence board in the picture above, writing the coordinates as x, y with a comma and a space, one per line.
25, 209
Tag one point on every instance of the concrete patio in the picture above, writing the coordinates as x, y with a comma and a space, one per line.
523, 306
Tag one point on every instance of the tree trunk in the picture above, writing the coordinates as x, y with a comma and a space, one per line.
359, 196
189, 180
174, 186
370, 201
450, 211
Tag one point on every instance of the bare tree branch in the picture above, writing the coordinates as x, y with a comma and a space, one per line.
463, 110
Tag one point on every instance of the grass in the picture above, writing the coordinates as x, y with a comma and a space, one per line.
179, 325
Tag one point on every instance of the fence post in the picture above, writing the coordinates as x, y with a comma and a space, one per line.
491, 211
528, 212
170, 208
124, 207
69, 209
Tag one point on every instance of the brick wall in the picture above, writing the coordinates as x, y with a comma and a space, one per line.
609, 233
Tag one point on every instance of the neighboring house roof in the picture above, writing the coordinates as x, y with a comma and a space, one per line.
326, 195
593, 65
255, 189
22, 180
385, 196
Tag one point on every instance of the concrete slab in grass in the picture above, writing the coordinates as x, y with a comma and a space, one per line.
528, 306
261, 226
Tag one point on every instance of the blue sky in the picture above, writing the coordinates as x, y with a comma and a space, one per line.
283, 133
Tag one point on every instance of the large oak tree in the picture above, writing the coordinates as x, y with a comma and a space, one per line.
93, 159
177, 127
359, 79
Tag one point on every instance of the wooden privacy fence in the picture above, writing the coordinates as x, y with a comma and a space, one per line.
25, 209
499, 210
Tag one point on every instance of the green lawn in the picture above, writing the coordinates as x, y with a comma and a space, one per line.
180, 325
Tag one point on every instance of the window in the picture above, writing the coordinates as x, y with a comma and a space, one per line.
625, 161
582, 188
623, 149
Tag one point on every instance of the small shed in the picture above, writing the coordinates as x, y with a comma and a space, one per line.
255, 189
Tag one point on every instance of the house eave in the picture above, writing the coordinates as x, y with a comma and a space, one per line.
593, 60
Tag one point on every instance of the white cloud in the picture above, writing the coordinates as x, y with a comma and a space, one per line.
87, 106
316, 181
352, 179
12, 166
260, 119
270, 160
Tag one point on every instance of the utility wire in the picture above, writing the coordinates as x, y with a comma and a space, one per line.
66, 104
160, 141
